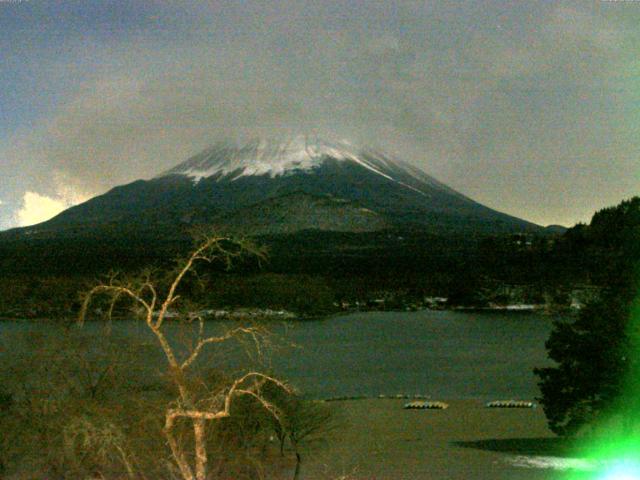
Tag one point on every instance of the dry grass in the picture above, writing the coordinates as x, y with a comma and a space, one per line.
379, 440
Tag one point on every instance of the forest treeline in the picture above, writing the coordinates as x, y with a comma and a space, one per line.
314, 273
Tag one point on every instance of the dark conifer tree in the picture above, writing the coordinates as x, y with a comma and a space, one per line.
598, 354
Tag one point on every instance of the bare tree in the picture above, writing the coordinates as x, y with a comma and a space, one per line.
303, 422
154, 305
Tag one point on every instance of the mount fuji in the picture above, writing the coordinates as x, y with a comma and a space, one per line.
280, 186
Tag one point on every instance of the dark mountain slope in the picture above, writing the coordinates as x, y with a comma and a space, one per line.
249, 184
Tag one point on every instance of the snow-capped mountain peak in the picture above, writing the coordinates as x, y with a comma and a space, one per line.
283, 186
273, 158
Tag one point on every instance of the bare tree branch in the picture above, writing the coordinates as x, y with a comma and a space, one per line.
205, 341
145, 295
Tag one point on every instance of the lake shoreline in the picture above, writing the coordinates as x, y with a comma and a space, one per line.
270, 315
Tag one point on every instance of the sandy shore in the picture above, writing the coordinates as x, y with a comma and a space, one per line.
377, 439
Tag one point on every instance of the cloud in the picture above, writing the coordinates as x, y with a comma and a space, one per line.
520, 99
36, 207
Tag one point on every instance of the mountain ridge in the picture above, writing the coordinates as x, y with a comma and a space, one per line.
230, 179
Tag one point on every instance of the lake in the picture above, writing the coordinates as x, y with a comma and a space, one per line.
443, 354
439, 353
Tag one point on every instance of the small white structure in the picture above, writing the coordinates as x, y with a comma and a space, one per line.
510, 404
425, 405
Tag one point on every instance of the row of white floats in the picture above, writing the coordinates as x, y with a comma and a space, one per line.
420, 402
429, 405
510, 404
426, 405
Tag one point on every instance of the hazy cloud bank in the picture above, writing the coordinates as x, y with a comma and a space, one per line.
526, 107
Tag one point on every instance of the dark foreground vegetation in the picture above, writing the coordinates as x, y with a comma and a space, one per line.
75, 406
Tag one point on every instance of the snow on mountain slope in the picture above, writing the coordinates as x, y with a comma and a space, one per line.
280, 186
302, 153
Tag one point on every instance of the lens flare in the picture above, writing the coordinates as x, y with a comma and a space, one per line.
623, 470
615, 447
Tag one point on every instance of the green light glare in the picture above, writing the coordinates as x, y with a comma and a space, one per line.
625, 470
614, 445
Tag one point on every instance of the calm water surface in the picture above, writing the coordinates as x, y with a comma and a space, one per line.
439, 353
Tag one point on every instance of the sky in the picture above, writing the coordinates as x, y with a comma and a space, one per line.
531, 108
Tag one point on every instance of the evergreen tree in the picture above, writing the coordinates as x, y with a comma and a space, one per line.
597, 354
